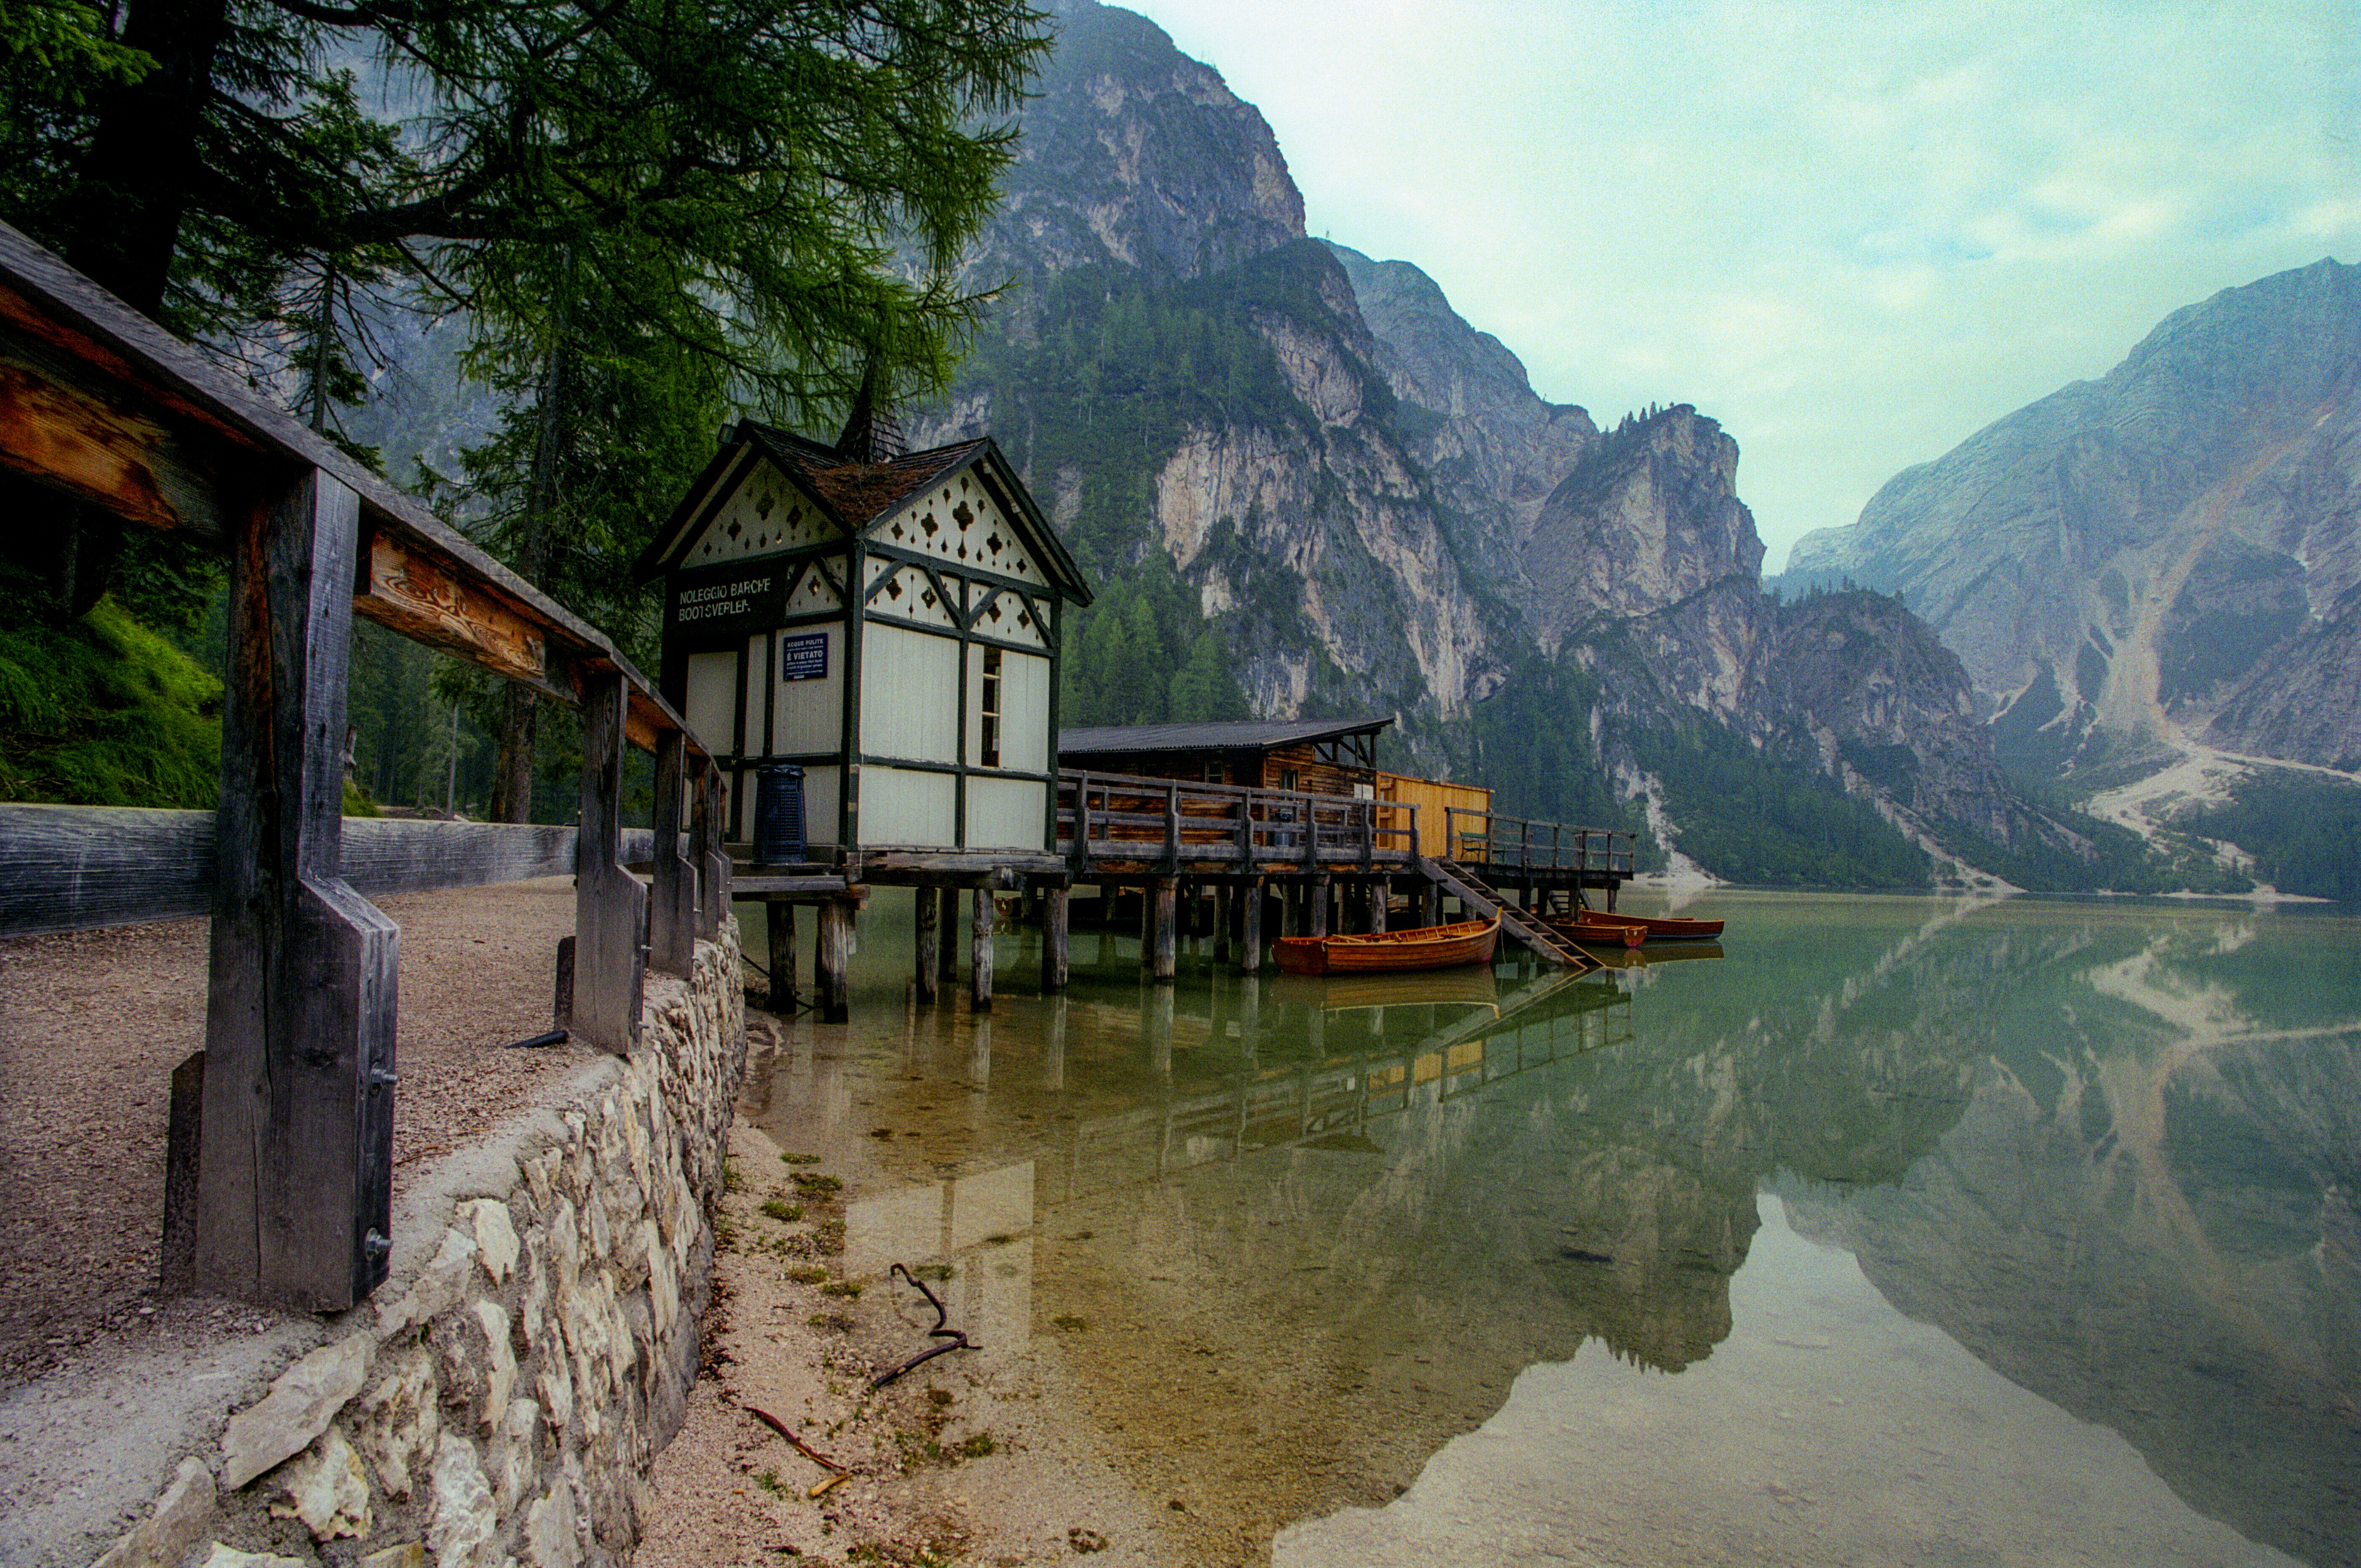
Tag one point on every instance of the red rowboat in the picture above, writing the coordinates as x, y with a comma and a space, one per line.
1431, 946
1597, 926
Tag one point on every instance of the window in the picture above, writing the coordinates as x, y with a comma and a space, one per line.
1287, 778
991, 709
1214, 772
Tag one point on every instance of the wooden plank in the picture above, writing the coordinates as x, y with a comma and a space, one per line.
716, 873
610, 906
295, 1169
672, 902
983, 916
929, 956
808, 887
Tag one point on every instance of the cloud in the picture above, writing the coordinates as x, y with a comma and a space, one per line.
1853, 232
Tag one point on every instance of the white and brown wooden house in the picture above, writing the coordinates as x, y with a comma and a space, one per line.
888, 621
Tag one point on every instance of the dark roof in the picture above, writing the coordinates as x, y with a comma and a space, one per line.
1237, 735
858, 493
855, 493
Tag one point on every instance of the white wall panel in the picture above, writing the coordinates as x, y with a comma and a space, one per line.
810, 714
899, 805
1025, 712
712, 704
909, 698
1005, 813
823, 792
758, 664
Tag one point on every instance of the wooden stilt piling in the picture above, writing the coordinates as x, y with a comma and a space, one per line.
1165, 963
834, 961
1053, 940
779, 916
946, 906
1320, 887
929, 933
980, 956
1250, 936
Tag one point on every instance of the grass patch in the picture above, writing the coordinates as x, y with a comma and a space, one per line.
799, 1159
784, 1213
813, 1185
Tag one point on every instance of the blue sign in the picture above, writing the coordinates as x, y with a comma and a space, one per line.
803, 658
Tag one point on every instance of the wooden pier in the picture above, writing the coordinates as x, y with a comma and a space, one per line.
1237, 864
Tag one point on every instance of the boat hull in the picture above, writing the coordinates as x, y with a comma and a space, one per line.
1610, 930
1435, 947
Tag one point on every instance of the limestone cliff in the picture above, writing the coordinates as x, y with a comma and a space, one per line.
2135, 554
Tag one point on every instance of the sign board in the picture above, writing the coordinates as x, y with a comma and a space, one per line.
803, 656
717, 604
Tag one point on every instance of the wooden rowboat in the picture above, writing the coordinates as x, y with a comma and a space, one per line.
1599, 926
1432, 947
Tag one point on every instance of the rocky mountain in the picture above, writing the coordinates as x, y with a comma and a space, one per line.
1309, 485
2167, 553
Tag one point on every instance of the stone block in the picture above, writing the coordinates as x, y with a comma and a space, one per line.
549, 1530
495, 1234
409, 1554
301, 1404
515, 1456
231, 1557
396, 1425
463, 1530
327, 1489
182, 1514
440, 1286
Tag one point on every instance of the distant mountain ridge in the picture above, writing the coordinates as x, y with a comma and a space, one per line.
2172, 549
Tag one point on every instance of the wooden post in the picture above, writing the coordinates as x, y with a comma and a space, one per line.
946, 906
779, 918
717, 888
1053, 1045
1250, 938
1053, 940
1146, 926
1166, 965
980, 956
1226, 897
295, 1167
183, 1149
672, 910
1320, 889
611, 907
833, 961
705, 846
1429, 905
930, 955
1381, 893
560, 1001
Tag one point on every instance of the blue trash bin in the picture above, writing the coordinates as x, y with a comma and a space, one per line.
779, 837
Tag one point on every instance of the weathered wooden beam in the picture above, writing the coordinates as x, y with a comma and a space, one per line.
702, 843
427, 597
1055, 965
1381, 894
610, 906
1321, 886
672, 905
294, 1189
57, 428
984, 916
929, 956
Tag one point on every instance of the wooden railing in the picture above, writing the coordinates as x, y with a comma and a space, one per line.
1487, 838
293, 1171
1127, 819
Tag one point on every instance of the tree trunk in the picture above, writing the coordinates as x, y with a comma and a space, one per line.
519, 710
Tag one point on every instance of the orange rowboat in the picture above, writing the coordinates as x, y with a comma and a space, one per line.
1599, 926
1431, 946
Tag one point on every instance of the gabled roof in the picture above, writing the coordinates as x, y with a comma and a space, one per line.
854, 494
1236, 735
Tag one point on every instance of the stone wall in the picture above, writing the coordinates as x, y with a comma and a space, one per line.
501, 1398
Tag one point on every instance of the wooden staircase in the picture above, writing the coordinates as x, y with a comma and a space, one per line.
1481, 899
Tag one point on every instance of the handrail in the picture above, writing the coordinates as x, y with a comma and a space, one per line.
1133, 818
1499, 840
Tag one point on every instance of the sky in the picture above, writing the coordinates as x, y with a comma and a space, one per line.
1855, 232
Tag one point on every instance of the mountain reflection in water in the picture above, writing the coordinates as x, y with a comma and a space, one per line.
1282, 1242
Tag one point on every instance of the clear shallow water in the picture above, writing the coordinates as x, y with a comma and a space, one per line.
1905, 1231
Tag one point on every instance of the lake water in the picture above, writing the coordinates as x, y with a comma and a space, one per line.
1902, 1231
